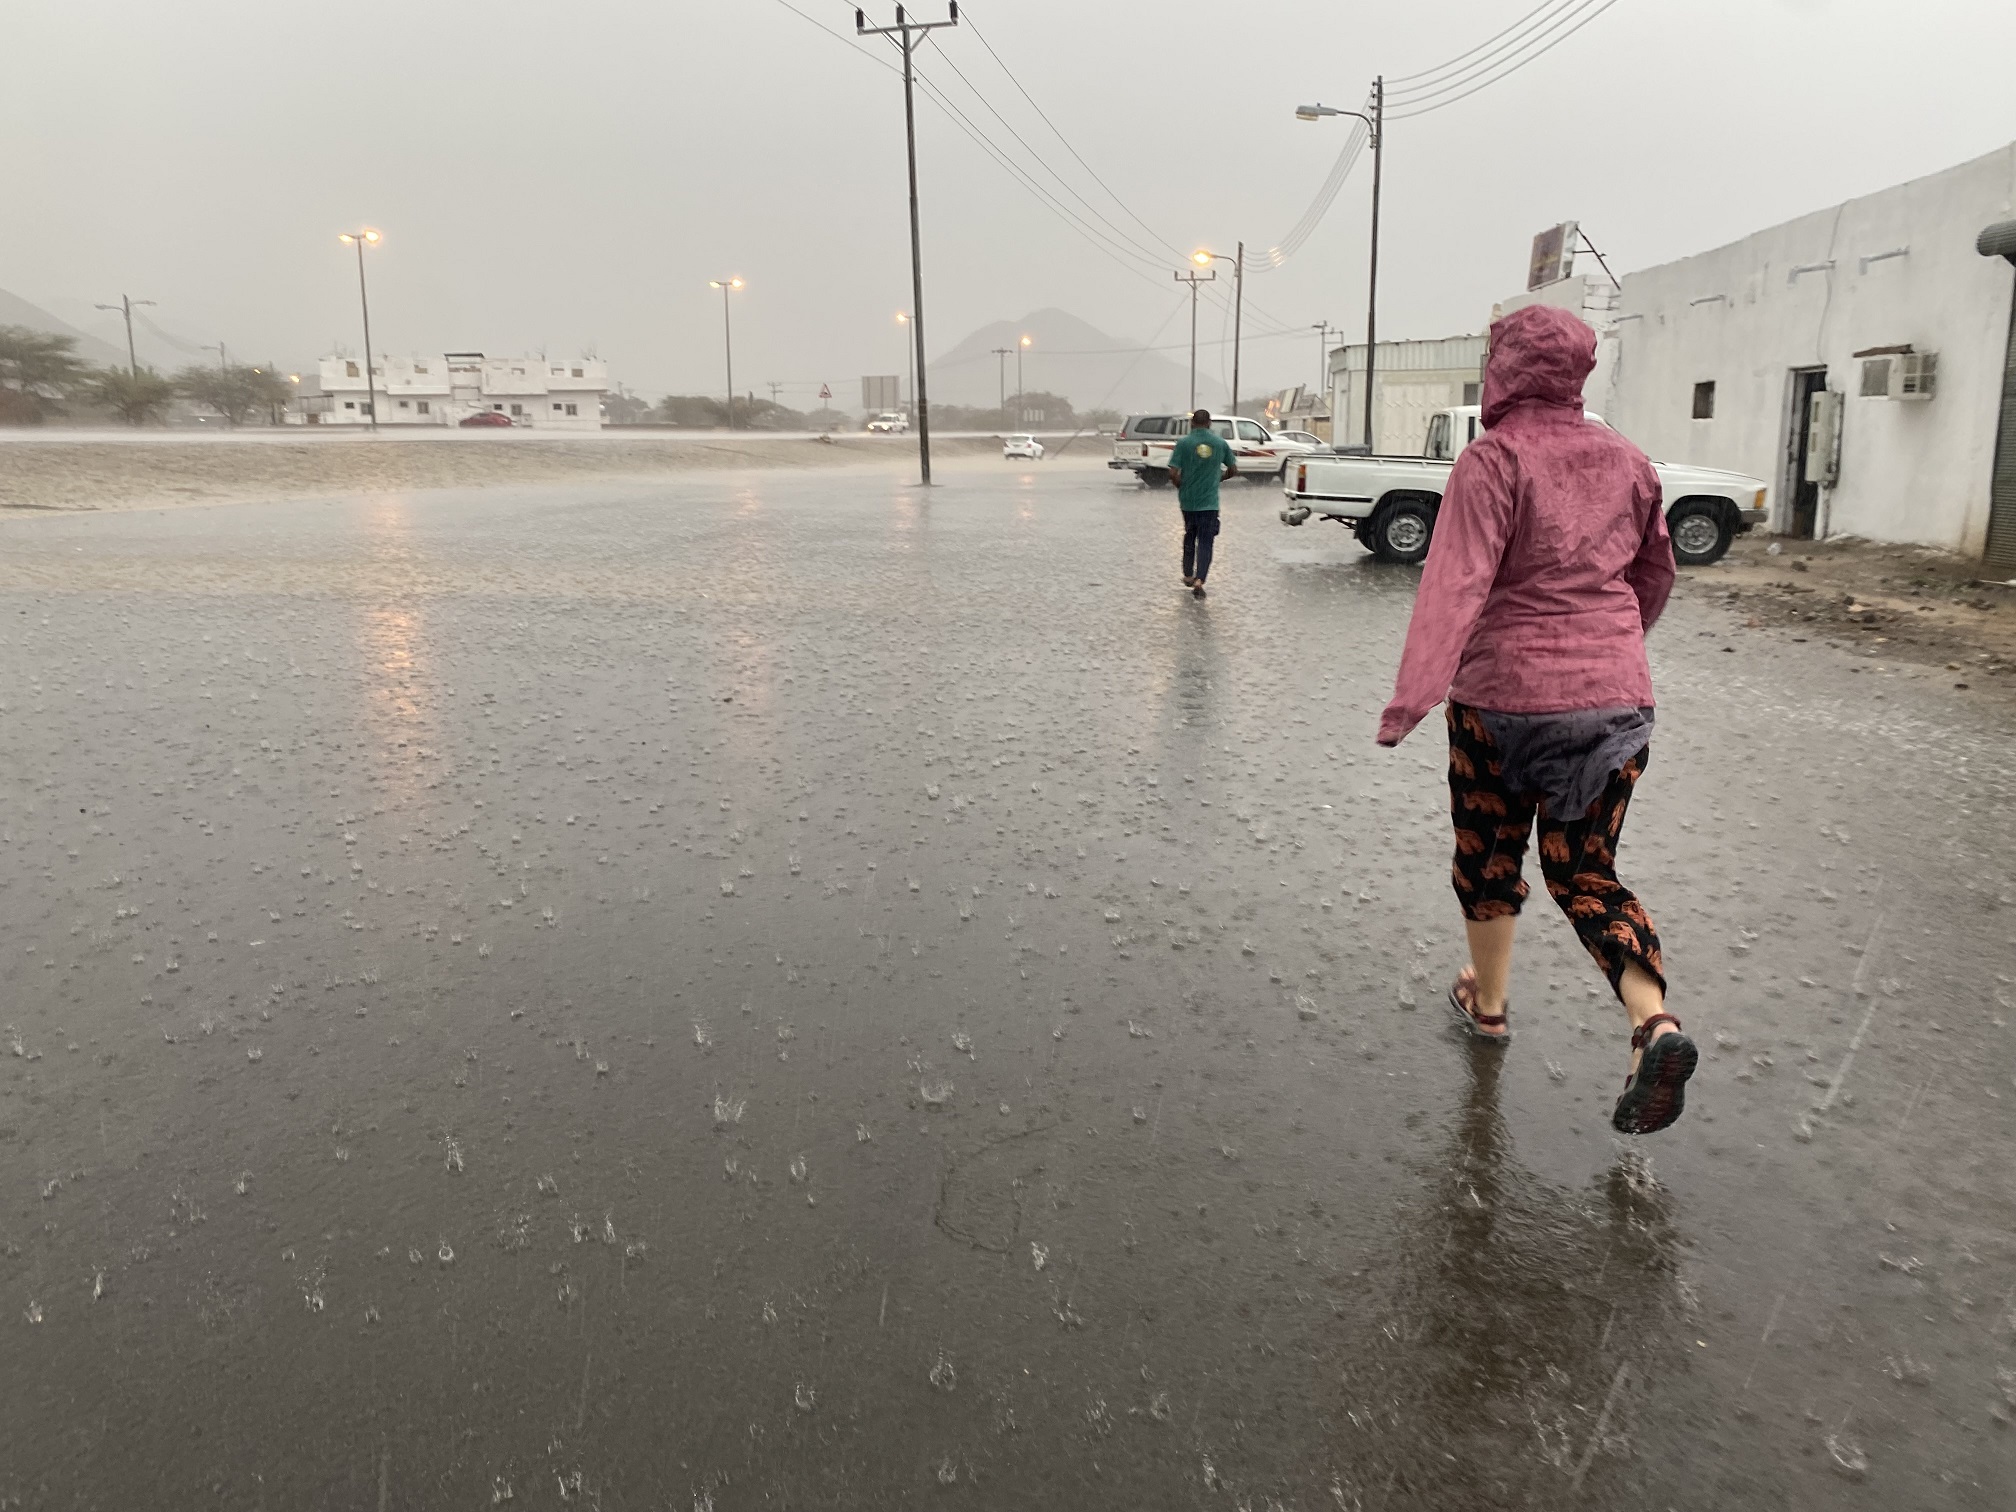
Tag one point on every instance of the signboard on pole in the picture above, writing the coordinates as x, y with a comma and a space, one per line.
825, 392
1553, 254
879, 394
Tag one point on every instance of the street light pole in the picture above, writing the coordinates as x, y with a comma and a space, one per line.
903, 318
1193, 280
1376, 124
1204, 259
922, 29
125, 306
1001, 377
1021, 388
361, 239
727, 338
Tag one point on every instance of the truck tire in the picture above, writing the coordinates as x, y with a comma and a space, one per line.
1153, 477
1401, 529
1701, 531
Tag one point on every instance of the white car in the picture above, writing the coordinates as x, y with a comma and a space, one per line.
889, 422
1023, 446
1302, 438
1390, 502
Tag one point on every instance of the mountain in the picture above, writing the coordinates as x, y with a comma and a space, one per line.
1071, 357
16, 311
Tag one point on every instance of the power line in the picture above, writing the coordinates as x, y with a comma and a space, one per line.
1401, 84
1533, 49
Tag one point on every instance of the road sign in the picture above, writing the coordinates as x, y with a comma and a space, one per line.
825, 391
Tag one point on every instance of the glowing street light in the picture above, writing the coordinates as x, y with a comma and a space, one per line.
360, 240
726, 285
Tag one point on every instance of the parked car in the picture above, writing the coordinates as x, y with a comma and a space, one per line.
1390, 502
1302, 438
1146, 441
484, 417
1023, 446
889, 422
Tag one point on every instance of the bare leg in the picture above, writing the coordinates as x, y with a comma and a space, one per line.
1642, 997
1491, 954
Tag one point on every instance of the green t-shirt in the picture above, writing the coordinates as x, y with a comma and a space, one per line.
1200, 459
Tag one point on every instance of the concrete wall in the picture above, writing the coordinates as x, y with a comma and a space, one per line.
1744, 317
1411, 380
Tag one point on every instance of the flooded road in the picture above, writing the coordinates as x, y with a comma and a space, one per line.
787, 991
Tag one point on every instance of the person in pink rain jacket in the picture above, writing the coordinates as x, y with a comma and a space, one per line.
1550, 563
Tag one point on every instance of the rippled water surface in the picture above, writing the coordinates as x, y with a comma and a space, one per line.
797, 992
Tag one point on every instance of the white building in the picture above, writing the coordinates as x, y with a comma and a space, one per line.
1410, 381
445, 390
1862, 359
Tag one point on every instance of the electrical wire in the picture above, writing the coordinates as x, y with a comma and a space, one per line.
1535, 48
1427, 77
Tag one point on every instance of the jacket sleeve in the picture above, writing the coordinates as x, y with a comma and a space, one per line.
1651, 571
1471, 530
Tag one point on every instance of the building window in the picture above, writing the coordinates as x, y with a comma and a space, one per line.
517, 409
425, 409
577, 372
1704, 401
556, 372
349, 404
556, 409
404, 405
350, 370
419, 367
498, 407
573, 409
1472, 392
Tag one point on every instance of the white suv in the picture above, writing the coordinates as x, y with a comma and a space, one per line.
890, 421
1023, 446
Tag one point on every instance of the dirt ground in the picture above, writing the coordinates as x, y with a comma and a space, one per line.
1901, 603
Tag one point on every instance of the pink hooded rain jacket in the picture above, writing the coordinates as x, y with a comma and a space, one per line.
1550, 559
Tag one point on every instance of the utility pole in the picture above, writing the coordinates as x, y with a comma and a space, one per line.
727, 286
1322, 328
362, 239
126, 306
1021, 388
1001, 378
1238, 313
911, 32
903, 319
775, 389
1372, 292
1193, 280
1375, 125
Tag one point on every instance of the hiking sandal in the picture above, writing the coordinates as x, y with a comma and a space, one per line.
1656, 1093
1463, 1003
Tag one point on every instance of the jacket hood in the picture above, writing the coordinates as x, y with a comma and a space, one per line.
1539, 355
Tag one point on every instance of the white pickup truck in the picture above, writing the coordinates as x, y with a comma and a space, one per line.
1390, 502
1145, 442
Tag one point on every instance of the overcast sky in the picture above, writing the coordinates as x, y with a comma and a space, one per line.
570, 175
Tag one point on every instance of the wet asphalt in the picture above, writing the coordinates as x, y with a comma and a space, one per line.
790, 991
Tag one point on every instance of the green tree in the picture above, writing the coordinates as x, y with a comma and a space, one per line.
135, 397
35, 368
235, 391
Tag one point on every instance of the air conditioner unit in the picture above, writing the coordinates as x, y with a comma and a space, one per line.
1916, 376
1900, 375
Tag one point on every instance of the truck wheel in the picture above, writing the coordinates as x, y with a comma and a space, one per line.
1152, 477
1401, 531
1701, 531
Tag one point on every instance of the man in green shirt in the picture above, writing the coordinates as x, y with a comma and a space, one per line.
1200, 460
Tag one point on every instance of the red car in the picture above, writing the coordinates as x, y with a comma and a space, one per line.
486, 417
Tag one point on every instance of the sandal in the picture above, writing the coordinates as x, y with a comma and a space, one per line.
1463, 1003
1656, 1093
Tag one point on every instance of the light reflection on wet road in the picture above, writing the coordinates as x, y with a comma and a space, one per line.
789, 992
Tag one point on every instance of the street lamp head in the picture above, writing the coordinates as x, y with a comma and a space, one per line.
1026, 341
902, 317
367, 236
724, 283
1202, 258
1308, 112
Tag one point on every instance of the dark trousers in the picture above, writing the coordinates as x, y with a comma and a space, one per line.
1200, 535
1578, 855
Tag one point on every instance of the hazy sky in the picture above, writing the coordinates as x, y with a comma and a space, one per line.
571, 174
